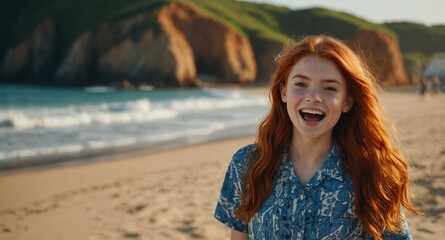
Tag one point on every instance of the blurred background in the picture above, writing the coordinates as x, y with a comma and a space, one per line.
96, 76
91, 80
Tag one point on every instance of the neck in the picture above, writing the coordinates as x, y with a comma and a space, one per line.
309, 152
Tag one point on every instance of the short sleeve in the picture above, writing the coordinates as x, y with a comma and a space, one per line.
403, 234
230, 196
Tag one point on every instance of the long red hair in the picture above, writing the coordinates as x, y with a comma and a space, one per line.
378, 170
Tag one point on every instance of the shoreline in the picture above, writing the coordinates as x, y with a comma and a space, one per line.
113, 199
7, 168
113, 154
29, 157
171, 194
92, 173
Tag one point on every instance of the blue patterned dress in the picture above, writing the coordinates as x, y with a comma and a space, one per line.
323, 209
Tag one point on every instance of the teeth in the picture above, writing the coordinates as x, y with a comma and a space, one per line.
311, 111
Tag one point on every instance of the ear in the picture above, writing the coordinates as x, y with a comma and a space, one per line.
283, 92
348, 104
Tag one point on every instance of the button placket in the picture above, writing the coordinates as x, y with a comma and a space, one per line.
306, 211
299, 235
303, 215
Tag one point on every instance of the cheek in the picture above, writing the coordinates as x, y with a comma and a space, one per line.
335, 98
336, 104
296, 94
331, 98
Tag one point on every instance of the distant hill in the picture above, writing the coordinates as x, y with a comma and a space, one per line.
20, 17
278, 23
418, 43
267, 26
414, 37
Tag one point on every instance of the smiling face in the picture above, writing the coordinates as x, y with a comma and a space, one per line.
315, 94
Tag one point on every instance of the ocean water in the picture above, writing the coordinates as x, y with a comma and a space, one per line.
46, 125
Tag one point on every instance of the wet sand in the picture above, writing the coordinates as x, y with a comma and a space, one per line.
172, 194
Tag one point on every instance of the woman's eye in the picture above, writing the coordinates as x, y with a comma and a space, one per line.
331, 88
300, 84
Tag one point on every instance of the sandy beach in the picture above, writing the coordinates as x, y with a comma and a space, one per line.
172, 194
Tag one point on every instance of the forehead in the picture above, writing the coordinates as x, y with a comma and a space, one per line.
317, 68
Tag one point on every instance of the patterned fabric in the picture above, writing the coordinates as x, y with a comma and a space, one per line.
323, 209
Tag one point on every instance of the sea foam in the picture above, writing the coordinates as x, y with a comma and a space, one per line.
98, 121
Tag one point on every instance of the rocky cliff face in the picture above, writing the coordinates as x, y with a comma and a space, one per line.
116, 54
74, 68
157, 56
172, 46
33, 58
266, 52
383, 56
218, 50
165, 48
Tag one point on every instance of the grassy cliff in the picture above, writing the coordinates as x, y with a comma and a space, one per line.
279, 23
415, 37
258, 21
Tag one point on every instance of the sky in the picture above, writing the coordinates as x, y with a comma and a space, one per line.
428, 12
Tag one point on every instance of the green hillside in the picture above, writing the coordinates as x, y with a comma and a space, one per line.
278, 23
415, 37
258, 21
252, 19
323, 21
418, 42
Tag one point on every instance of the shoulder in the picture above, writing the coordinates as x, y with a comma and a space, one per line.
233, 180
241, 160
245, 153
231, 190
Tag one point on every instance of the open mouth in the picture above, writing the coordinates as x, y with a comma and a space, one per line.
312, 115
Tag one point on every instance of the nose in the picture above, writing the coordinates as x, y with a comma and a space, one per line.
313, 95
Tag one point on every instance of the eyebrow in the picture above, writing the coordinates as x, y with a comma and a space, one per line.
324, 80
299, 76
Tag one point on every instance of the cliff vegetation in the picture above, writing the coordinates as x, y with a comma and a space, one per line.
183, 43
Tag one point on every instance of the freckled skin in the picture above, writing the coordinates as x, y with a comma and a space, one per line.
315, 83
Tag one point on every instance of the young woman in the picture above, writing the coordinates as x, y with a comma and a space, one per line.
323, 165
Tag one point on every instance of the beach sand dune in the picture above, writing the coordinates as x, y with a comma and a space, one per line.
172, 194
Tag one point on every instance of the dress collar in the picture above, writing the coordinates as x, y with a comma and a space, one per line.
331, 167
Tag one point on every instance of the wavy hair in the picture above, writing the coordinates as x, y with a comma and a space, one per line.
378, 170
